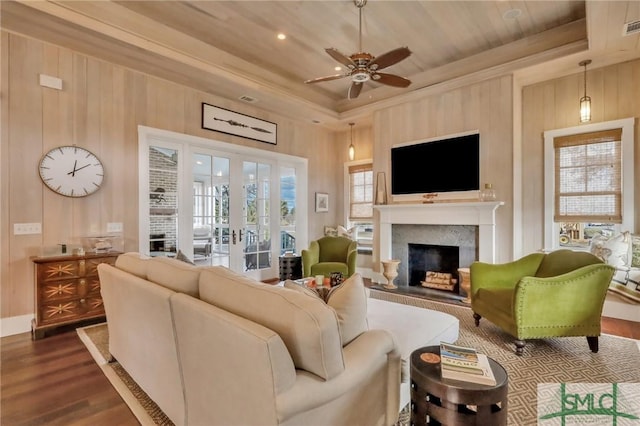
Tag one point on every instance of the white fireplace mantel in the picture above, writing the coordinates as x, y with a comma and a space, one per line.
479, 213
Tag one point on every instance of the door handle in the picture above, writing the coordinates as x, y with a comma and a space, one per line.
233, 237
240, 234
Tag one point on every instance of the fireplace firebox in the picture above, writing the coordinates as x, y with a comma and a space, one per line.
425, 258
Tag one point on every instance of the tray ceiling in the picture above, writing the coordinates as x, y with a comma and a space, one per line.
229, 48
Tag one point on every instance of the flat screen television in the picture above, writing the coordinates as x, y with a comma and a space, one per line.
450, 164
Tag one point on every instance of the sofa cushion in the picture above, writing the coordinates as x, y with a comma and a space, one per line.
174, 275
133, 263
308, 327
348, 299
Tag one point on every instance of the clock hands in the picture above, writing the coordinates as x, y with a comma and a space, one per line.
73, 172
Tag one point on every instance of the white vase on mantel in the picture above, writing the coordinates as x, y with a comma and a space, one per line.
390, 272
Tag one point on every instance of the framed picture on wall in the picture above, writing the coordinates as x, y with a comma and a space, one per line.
322, 202
226, 121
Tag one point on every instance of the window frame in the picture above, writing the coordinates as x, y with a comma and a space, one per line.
347, 205
552, 228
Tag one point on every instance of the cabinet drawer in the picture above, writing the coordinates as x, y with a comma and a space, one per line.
53, 313
92, 264
60, 270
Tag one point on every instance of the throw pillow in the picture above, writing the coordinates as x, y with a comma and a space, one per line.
339, 231
330, 231
348, 300
635, 251
348, 233
613, 251
183, 257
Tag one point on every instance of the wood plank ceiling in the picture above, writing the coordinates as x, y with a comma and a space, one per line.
229, 48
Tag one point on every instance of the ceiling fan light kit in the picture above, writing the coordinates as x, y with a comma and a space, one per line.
363, 67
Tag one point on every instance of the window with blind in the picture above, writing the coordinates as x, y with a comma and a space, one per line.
360, 204
589, 175
360, 192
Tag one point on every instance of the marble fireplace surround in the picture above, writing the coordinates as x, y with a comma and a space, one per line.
480, 214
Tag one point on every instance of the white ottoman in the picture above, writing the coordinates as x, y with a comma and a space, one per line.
412, 328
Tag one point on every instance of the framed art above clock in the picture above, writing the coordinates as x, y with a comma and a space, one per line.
71, 171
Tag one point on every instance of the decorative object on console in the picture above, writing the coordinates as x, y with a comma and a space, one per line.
390, 272
488, 193
381, 188
233, 123
322, 202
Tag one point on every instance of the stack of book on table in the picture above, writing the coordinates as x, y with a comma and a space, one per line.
465, 364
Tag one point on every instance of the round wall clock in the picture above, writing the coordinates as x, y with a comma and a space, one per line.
71, 171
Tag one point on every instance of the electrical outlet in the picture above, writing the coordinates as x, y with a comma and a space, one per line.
114, 227
27, 228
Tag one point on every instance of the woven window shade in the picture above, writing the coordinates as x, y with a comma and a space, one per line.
361, 192
588, 177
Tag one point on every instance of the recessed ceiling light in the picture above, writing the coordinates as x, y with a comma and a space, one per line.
337, 68
512, 14
281, 36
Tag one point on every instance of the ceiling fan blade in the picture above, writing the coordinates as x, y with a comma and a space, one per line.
354, 90
387, 59
390, 79
328, 78
340, 57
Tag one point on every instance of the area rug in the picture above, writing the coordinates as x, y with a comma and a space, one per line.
556, 360
560, 360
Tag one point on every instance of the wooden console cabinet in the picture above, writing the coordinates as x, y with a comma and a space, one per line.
67, 290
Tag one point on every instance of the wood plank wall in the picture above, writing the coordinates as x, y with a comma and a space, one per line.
99, 108
487, 107
554, 104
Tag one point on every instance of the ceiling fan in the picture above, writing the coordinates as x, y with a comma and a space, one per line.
363, 67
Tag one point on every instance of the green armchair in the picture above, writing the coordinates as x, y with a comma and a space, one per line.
543, 295
330, 254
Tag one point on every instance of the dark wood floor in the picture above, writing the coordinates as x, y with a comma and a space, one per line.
55, 381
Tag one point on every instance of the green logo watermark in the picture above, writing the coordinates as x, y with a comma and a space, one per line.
565, 404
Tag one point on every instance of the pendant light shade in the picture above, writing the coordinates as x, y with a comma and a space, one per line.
352, 149
585, 101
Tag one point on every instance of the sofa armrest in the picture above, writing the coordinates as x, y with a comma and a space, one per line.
574, 298
310, 257
503, 275
352, 259
371, 376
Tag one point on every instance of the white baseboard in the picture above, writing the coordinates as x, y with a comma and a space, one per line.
15, 325
614, 308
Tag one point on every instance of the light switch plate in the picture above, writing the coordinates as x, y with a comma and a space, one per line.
114, 227
27, 228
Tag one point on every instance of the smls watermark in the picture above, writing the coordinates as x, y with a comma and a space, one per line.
569, 404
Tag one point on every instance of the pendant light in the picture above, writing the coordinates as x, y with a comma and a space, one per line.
352, 149
585, 101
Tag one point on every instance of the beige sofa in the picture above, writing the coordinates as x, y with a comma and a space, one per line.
212, 347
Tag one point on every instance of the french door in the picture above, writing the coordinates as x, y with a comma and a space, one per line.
220, 204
